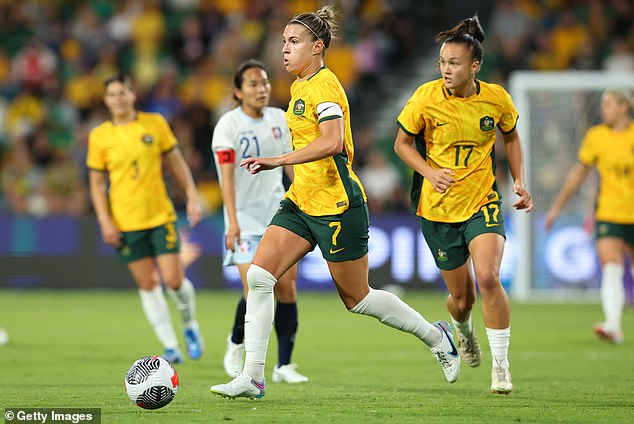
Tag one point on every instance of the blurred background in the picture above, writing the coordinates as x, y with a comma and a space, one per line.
54, 56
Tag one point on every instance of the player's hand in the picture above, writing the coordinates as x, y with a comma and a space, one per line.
525, 201
255, 165
110, 234
233, 235
441, 179
194, 212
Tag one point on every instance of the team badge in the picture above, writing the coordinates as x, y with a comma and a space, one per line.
442, 256
147, 139
299, 107
602, 229
487, 123
277, 132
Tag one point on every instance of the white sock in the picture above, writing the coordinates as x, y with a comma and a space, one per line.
464, 328
499, 341
258, 321
185, 299
612, 295
393, 312
155, 308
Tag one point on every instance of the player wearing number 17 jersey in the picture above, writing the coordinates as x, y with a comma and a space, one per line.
447, 132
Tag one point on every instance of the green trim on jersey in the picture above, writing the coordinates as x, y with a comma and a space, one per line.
417, 179
328, 118
353, 191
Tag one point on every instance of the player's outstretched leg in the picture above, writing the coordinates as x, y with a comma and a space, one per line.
393, 312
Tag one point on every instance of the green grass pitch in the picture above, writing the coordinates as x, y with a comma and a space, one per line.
72, 348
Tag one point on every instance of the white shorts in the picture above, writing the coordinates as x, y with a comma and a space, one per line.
244, 252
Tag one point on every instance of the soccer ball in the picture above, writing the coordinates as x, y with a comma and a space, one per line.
151, 382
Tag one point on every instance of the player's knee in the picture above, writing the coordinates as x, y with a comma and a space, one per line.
488, 279
260, 279
464, 302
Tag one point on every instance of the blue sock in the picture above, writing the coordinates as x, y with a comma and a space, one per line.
237, 334
285, 327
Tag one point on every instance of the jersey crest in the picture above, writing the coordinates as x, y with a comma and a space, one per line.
487, 123
299, 107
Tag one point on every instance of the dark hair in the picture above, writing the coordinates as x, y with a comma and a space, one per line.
321, 24
468, 32
238, 76
124, 79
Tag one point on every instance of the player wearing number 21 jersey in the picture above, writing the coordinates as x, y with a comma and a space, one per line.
238, 134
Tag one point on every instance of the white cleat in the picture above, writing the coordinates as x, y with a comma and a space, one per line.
234, 358
603, 333
241, 386
501, 381
288, 374
469, 349
446, 353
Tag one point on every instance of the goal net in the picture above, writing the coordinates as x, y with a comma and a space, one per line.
556, 109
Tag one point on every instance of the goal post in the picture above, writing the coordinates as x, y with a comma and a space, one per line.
556, 109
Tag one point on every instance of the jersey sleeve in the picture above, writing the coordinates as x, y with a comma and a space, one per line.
509, 117
587, 152
328, 101
223, 137
167, 139
95, 158
411, 118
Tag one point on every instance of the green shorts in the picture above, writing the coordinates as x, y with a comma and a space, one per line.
342, 237
153, 242
449, 241
610, 229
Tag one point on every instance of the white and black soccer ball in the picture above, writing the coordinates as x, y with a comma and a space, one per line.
151, 382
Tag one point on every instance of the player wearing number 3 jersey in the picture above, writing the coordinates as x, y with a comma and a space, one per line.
447, 133
325, 206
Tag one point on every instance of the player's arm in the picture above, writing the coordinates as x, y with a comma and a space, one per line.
515, 157
405, 149
99, 195
183, 175
329, 143
576, 176
290, 173
226, 160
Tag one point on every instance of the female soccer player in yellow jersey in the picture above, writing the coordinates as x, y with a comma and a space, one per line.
325, 206
609, 148
135, 213
446, 134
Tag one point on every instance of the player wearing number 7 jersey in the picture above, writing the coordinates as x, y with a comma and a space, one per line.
325, 206
447, 135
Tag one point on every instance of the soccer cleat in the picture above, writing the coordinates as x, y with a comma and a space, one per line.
446, 353
241, 386
614, 337
173, 356
501, 381
234, 358
469, 349
195, 342
288, 374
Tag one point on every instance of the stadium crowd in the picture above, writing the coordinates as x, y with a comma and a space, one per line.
54, 57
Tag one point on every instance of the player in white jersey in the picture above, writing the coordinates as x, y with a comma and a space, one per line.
252, 130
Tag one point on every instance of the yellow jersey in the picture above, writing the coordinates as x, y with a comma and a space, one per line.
327, 186
612, 153
459, 134
131, 154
